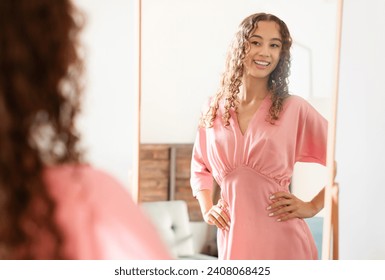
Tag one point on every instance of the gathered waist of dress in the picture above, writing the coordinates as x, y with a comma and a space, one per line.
282, 181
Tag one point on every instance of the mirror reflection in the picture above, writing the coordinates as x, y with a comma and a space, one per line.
183, 55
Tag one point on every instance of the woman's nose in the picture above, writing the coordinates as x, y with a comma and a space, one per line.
264, 51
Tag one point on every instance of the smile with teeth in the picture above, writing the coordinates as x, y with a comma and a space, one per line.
262, 63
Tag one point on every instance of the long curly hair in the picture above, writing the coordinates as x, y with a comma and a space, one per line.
234, 70
40, 96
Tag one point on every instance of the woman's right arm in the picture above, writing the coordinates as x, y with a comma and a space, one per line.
202, 185
213, 214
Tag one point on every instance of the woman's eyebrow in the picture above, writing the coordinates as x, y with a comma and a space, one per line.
260, 37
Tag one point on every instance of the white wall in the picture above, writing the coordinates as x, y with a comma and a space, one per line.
109, 116
360, 149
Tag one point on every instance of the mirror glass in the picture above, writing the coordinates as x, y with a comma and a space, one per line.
184, 43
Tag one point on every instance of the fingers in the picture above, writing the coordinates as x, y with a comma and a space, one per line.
286, 217
279, 195
222, 203
280, 199
283, 211
218, 215
224, 207
284, 206
218, 220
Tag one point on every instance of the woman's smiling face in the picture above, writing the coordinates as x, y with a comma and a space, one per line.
263, 50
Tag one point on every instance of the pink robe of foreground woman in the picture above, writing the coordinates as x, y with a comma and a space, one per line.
250, 167
98, 218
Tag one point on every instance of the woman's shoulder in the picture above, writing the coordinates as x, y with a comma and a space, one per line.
296, 102
76, 172
210, 102
300, 106
293, 99
98, 216
67, 179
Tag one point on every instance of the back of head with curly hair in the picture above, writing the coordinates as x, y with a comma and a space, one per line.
234, 69
40, 95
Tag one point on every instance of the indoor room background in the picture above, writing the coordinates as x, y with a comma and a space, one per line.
110, 118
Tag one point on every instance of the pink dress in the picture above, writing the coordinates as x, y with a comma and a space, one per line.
98, 218
250, 167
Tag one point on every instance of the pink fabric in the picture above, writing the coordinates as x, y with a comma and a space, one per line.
250, 167
98, 217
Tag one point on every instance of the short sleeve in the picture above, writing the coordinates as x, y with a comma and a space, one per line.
201, 177
99, 219
122, 230
311, 143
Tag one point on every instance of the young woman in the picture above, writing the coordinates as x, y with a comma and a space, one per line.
251, 135
52, 204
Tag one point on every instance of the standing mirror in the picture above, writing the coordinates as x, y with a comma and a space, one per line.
183, 44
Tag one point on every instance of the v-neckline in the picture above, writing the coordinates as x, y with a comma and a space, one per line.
257, 112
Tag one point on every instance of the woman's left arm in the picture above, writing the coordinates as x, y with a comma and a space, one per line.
311, 146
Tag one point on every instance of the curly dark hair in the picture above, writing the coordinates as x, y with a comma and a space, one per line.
234, 68
40, 92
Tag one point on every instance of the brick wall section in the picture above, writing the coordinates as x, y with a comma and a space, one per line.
153, 172
154, 175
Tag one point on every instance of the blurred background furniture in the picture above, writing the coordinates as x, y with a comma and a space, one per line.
185, 239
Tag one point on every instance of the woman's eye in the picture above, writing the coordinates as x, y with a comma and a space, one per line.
256, 43
275, 45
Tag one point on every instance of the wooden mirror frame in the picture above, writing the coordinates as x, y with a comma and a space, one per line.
330, 225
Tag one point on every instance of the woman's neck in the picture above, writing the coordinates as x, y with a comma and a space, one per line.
253, 90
